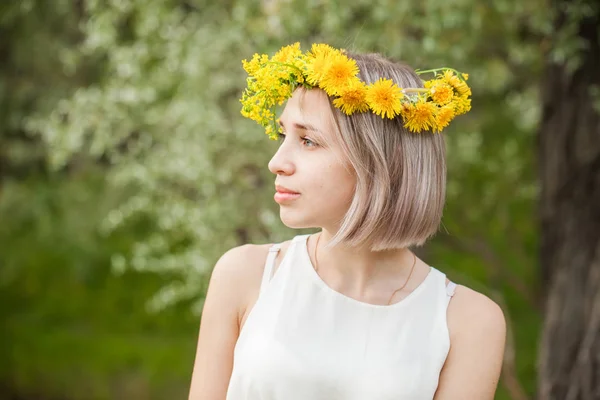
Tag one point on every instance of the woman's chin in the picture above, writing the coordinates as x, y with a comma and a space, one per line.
294, 219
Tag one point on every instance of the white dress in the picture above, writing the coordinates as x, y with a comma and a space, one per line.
305, 341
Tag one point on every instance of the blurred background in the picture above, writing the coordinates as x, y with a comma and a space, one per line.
126, 170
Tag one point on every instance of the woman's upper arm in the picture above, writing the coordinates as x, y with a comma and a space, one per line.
478, 336
219, 327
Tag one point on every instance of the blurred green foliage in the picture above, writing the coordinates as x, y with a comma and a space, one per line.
72, 328
126, 171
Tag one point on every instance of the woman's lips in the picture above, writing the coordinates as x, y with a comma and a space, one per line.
284, 197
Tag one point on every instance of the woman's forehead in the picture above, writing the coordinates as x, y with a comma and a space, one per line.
308, 108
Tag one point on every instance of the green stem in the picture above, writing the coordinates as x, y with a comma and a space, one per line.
459, 74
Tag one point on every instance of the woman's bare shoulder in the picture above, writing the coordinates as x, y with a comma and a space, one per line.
477, 341
246, 260
240, 270
470, 311
239, 266
241, 258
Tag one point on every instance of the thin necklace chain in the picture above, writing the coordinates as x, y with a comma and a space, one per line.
394, 292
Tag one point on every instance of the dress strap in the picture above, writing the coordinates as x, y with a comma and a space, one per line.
450, 289
268, 271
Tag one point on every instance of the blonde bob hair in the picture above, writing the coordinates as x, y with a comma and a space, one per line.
400, 176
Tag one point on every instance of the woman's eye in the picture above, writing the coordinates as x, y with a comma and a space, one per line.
305, 141
308, 141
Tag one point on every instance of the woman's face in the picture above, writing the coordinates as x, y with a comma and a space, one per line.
309, 162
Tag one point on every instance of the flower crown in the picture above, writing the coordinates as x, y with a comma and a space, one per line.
271, 81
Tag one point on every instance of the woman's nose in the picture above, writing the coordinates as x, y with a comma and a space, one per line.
281, 163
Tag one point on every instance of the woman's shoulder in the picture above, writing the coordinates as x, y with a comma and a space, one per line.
242, 266
477, 330
473, 316
240, 270
248, 257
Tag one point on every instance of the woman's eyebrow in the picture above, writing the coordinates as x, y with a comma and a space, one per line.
306, 127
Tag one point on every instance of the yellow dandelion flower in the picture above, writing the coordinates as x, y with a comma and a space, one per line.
461, 86
384, 97
315, 67
462, 105
321, 48
420, 117
443, 117
408, 112
353, 98
340, 71
317, 61
463, 89
440, 92
450, 78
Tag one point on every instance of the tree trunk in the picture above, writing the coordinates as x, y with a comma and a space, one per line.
569, 168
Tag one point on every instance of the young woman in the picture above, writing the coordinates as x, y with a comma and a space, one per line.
349, 312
